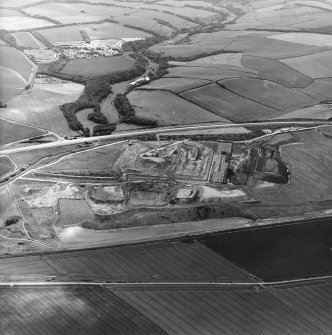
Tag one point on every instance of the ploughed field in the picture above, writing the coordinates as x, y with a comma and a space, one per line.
281, 252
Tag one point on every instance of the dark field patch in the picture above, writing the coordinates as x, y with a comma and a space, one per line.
229, 105
70, 310
277, 72
6, 166
269, 93
98, 66
229, 311
279, 253
256, 45
11, 132
217, 73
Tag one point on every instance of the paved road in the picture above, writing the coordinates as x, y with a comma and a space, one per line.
163, 285
149, 131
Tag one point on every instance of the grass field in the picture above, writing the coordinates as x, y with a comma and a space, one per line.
13, 59
94, 67
209, 73
236, 311
68, 217
317, 65
40, 106
62, 34
169, 109
320, 89
11, 132
109, 30
8, 206
26, 40
71, 12
321, 111
277, 72
229, 105
23, 23
95, 160
246, 42
279, 253
269, 93
305, 38
17, 3
214, 61
175, 85
69, 310
201, 45
11, 84
6, 166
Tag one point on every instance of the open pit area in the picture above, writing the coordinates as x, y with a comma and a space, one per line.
165, 167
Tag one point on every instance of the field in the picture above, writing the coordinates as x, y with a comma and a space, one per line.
6, 166
70, 310
108, 30
11, 132
15, 60
278, 253
246, 42
269, 94
277, 72
94, 67
210, 73
11, 84
26, 40
40, 106
71, 13
214, 61
320, 89
167, 108
93, 160
322, 112
229, 105
161, 261
305, 38
8, 206
189, 312
317, 65
62, 34
175, 85
70, 217
22, 23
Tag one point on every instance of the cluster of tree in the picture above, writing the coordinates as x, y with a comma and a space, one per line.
187, 18
85, 36
42, 39
40, 17
12, 221
53, 68
103, 129
95, 91
212, 137
139, 45
127, 112
8, 38
218, 11
167, 24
